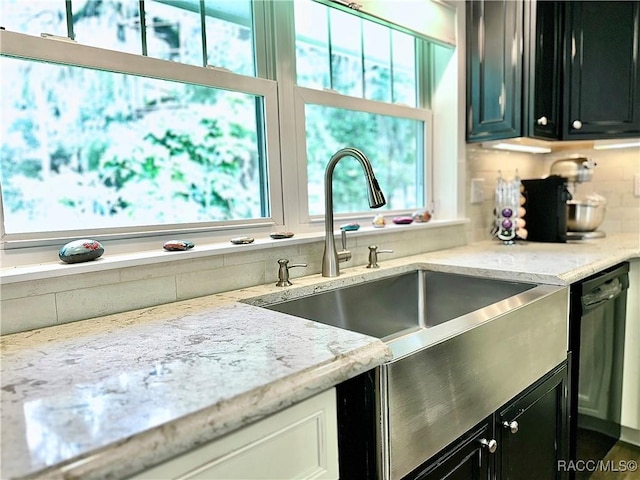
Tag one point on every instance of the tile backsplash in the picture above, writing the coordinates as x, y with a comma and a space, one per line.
613, 178
46, 302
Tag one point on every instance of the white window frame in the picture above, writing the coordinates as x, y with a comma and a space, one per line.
305, 96
71, 53
297, 212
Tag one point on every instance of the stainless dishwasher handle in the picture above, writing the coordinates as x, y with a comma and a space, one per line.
602, 294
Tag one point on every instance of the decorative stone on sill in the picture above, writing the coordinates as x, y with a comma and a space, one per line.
280, 235
177, 245
421, 216
350, 227
81, 251
402, 220
379, 221
241, 240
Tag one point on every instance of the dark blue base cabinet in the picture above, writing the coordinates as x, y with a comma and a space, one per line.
526, 439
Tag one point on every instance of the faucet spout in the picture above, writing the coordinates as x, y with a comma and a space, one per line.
330, 258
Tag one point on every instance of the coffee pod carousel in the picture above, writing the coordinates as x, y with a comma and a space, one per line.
509, 224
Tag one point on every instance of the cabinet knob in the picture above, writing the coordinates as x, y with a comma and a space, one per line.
490, 445
542, 121
577, 124
512, 426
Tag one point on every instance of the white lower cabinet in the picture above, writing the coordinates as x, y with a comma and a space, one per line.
297, 443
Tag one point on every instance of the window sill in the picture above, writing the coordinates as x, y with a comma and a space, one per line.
151, 257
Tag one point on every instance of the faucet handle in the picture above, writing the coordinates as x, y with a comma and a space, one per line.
343, 236
373, 256
344, 255
283, 272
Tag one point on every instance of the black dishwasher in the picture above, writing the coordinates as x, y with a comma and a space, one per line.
596, 352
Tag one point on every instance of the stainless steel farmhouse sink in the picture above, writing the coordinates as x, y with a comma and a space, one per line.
389, 306
463, 346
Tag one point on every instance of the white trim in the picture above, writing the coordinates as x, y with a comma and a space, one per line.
338, 100
21, 45
284, 35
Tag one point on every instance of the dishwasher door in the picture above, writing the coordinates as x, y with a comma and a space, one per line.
601, 349
596, 343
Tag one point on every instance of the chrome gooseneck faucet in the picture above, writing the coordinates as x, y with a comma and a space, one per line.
331, 256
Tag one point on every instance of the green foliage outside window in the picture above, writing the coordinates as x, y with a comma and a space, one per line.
107, 155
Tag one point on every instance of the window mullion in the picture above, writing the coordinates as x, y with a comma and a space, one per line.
362, 67
291, 150
69, 11
330, 43
424, 73
392, 68
263, 43
203, 26
143, 28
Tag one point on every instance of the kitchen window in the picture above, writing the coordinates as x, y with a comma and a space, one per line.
170, 117
359, 85
114, 142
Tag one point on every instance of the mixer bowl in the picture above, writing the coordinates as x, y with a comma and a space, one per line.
584, 216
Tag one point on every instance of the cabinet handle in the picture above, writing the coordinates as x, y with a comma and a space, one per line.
512, 426
542, 121
577, 124
490, 445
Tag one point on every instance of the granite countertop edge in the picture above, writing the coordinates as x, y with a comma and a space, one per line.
152, 447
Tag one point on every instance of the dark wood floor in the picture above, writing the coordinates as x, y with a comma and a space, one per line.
620, 454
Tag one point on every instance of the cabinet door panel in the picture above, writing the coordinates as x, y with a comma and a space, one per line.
603, 91
539, 441
298, 442
468, 458
547, 71
494, 69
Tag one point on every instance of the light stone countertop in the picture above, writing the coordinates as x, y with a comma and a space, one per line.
107, 397
550, 263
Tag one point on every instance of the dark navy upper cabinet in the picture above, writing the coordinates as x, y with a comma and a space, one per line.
585, 82
494, 69
553, 69
602, 90
546, 53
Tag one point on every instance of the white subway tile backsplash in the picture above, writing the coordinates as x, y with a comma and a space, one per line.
27, 313
257, 255
629, 226
83, 303
170, 268
52, 285
606, 172
206, 282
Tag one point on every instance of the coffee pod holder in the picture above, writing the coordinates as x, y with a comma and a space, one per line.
507, 201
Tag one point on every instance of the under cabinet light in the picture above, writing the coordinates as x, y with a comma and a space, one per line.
610, 145
514, 147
